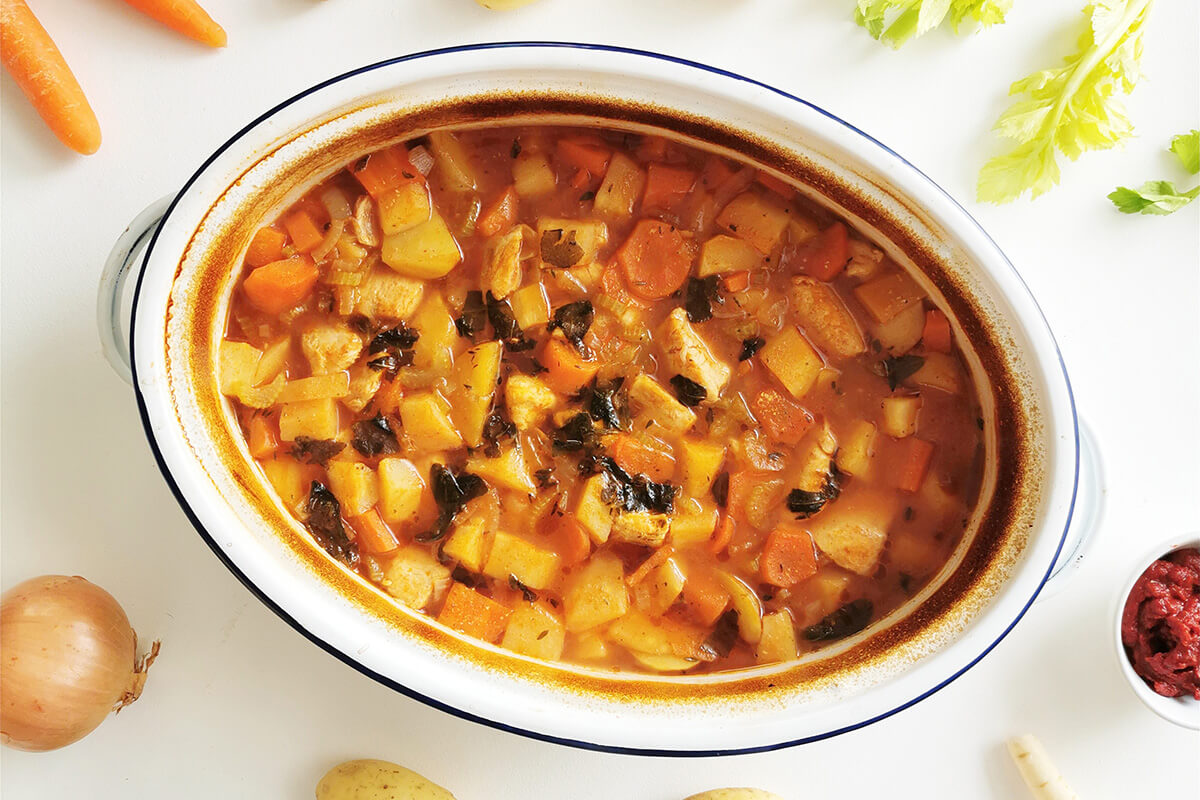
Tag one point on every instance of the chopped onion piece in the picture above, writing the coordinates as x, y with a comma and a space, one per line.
330, 241
422, 159
335, 203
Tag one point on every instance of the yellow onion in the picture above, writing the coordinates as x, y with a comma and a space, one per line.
69, 659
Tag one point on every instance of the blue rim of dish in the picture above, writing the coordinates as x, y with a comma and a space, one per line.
399, 687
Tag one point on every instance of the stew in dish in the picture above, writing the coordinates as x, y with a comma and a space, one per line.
602, 397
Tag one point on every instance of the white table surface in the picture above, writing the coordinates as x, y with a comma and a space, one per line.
240, 705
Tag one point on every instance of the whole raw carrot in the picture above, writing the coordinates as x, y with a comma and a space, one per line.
185, 16
37, 66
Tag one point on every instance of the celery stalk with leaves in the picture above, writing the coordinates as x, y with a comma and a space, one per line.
1161, 197
896, 21
1070, 109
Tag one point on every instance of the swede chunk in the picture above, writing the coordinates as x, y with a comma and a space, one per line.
597, 594
425, 251
792, 360
531, 565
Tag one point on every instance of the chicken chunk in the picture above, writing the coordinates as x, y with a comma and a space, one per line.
854, 531
814, 466
657, 404
688, 354
528, 399
385, 296
501, 273
330, 348
825, 318
416, 578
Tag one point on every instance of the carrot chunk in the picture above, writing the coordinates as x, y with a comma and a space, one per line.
716, 172
788, 556
566, 371
704, 599
382, 172
784, 420
262, 436
827, 255
265, 247
636, 457
586, 153
735, 281
649, 565
374, 535
469, 612
656, 258
280, 285
777, 185
501, 214
936, 335
569, 539
912, 457
666, 185
303, 229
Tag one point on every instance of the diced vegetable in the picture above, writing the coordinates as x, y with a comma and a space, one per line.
468, 544
469, 612
659, 589
666, 185
355, 486
401, 488
825, 256
287, 476
889, 294
452, 161
384, 170
640, 634
756, 220
536, 631
566, 370
902, 332
569, 539
656, 258
280, 285
650, 458
501, 214
858, 448
532, 175
530, 306
262, 437
936, 334
404, 207
364, 385
900, 415
425, 251
825, 319
272, 362
700, 462
911, 462
584, 153
621, 188
939, 371
476, 372
374, 536
265, 247
592, 512
237, 364
693, 527
501, 273
533, 566
318, 387
788, 556
853, 535
659, 405
508, 470
303, 230
597, 593
564, 243
416, 578
316, 419
792, 360
778, 640
784, 420
688, 354
427, 423
704, 598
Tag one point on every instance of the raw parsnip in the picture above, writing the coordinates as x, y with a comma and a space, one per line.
1037, 770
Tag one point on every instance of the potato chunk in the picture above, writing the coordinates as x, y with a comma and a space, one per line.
597, 593
793, 361
778, 641
476, 371
536, 631
501, 272
621, 188
853, 531
509, 470
316, 419
427, 423
533, 566
355, 485
425, 251
468, 544
592, 512
688, 354
755, 219
416, 578
723, 253
825, 318
701, 462
406, 206
532, 175
889, 294
400, 490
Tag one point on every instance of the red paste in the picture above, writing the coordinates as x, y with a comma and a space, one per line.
1160, 627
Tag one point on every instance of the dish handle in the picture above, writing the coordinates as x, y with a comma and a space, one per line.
114, 327
1085, 519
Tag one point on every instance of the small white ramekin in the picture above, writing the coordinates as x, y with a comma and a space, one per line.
1183, 711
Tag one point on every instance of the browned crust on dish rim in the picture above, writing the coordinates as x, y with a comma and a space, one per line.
995, 546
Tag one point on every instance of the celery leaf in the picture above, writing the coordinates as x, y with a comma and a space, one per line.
1072, 108
1152, 197
1187, 147
896, 21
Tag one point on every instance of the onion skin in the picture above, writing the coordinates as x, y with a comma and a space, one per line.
69, 658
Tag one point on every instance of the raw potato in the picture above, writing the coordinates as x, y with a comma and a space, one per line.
371, 779
735, 794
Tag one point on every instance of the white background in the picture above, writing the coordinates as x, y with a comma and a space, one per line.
240, 705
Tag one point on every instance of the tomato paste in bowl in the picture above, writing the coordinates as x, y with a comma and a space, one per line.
1160, 624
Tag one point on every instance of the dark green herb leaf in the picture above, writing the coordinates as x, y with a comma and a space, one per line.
496, 428
451, 492
373, 437
898, 369
846, 621
607, 404
632, 492
750, 347
574, 320
720, 489
689, 392
474, 316
315, 451
515, 584
699, 296
575, 434
504, 323
559, 251
325, 524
